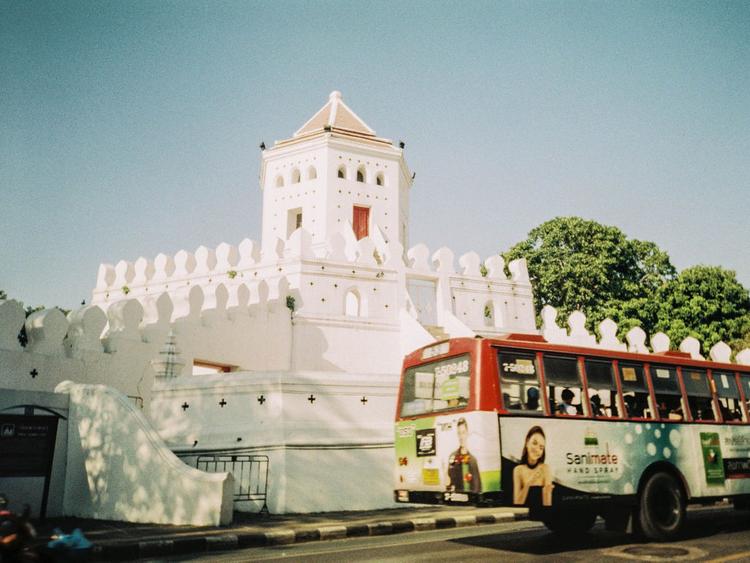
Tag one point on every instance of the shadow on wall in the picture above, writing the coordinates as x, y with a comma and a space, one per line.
119, 468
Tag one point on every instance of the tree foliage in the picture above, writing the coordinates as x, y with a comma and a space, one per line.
706, 302
576, 264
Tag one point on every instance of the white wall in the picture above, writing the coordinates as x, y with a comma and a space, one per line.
119, 468
338, 435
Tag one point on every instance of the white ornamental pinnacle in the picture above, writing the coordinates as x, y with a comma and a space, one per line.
170, 362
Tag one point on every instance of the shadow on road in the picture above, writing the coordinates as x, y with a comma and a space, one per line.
701, 523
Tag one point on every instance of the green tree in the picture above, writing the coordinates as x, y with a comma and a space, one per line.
22, 336
706, 302
576, 264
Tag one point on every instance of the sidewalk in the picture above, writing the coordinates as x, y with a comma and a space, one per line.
126, 541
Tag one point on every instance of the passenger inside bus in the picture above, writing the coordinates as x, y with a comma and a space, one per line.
567, 406
532, 399
636, 404
698, 390
702, 408
602, 388
670, 407
564, 382
728, 395
729, 414
519, 381
596, 405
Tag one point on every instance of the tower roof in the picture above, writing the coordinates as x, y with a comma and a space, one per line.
335, 115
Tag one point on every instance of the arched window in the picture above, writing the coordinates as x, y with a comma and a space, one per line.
380, 179
312, 173
360, 174
279, 181
353, 306
295, 176
342, 172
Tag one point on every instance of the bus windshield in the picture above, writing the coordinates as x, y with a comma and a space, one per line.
437, 386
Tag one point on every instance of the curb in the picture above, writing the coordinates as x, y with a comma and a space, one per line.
127, 550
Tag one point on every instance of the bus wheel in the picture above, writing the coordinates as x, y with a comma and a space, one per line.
661, 513
571, 522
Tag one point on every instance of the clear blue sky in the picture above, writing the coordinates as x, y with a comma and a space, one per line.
132, 128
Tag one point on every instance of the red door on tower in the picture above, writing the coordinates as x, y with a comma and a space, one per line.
361, 221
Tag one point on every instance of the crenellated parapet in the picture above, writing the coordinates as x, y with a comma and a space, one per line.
226, 325
577, 335
368, 280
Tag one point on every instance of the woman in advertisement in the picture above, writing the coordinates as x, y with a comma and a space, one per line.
532, 471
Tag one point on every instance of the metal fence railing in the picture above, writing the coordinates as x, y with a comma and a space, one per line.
250, 474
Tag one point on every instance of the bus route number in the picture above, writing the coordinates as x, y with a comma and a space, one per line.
521, 366
446, 370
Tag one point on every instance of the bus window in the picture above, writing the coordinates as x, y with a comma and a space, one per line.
728, 395
667, 392
698, 390
745, 383
634, 390
519, 381
699, 394
564, 383
437, 386
602, 388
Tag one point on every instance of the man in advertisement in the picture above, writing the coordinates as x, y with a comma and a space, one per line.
463, 471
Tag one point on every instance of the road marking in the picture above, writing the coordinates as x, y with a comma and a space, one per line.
640, 552
733, 557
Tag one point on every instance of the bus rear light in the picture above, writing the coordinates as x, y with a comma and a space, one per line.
403, 461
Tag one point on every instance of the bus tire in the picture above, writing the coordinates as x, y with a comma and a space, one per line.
661, 513
571, 522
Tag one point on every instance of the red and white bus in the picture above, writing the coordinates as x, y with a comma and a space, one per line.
572, 432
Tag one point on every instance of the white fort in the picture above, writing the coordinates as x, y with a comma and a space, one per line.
305, 332
282, 356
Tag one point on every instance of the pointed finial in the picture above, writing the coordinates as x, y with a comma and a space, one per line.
169, 363
335, 95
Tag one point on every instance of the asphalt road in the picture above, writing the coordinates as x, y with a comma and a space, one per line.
714, 534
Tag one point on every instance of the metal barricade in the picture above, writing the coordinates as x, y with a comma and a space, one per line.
250, 474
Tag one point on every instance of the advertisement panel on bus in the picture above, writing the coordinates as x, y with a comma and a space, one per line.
551, 462
456, 455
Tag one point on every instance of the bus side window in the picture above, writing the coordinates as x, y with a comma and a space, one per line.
519, 381
602, 388
667, 392
728, 396
699, 394
564, 382
634, 391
